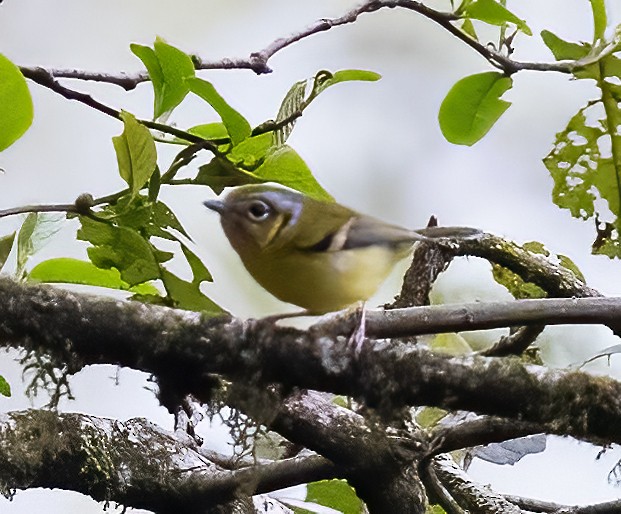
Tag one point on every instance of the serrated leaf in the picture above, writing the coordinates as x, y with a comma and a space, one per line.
121, 248
16, 110
564, 50
36, 232
236, 125
472, 107
6, 243
5, 388
494, 13
74, 271
135, 152
168, 68
336, 494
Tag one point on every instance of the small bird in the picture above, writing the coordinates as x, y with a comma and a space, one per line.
318, 255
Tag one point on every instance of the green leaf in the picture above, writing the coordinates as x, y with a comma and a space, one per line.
16, 111
292, 103
251, 152
494, 13
199, 270
285, 166
516, 284
277, 164
220, 173
74, 271
121, 248
325, 79
135, 153
336, 494
168, 68
430, 416
473, 106
567, 263
236, 125
564, 50
598, 7
6, 243
5, 388
451, 344
295, 100
210, 131
583, 176
468, 27
36, 231
187, 295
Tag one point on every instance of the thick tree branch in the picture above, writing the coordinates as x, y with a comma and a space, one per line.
134, 463
470, 496
380, 465
184, 349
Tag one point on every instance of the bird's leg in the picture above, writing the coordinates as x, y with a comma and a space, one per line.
357, 336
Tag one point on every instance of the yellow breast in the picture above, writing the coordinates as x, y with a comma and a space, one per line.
324, 281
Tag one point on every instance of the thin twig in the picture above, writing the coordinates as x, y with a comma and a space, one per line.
46, 79
258, 61
25, 209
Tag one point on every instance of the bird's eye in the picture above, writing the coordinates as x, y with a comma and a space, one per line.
258, 210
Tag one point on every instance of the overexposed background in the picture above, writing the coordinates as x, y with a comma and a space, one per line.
375, 146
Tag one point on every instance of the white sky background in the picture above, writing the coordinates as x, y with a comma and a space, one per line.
375, 146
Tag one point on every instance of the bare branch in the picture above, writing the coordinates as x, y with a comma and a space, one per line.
487, 315
46, 79
258, 61
515, 343
63, 207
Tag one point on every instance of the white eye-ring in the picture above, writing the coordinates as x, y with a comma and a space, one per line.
258, 210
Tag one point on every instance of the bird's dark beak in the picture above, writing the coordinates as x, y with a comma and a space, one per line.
215, 205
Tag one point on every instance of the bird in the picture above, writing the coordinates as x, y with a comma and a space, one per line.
316, 254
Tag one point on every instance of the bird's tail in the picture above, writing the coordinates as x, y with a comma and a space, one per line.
449, 232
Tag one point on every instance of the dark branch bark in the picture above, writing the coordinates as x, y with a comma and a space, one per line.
185, 349
470, 496
134, 463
